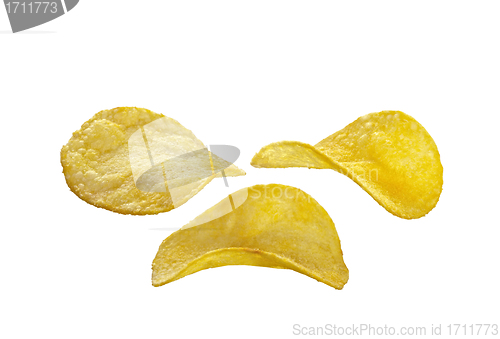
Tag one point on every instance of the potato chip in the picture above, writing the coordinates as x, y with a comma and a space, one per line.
264, 225
389, 154
124, 160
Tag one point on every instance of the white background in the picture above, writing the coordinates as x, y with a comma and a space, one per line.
247, 73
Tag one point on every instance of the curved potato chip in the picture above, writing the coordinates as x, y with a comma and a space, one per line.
389, 154
266, 225
123, 160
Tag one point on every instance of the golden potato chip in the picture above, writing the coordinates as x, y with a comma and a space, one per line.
133, 161
389, 154
264, 225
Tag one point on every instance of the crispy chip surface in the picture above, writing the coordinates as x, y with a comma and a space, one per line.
273, 225
107, 157
389, 154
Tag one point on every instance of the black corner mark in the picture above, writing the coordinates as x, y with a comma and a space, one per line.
24, 15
